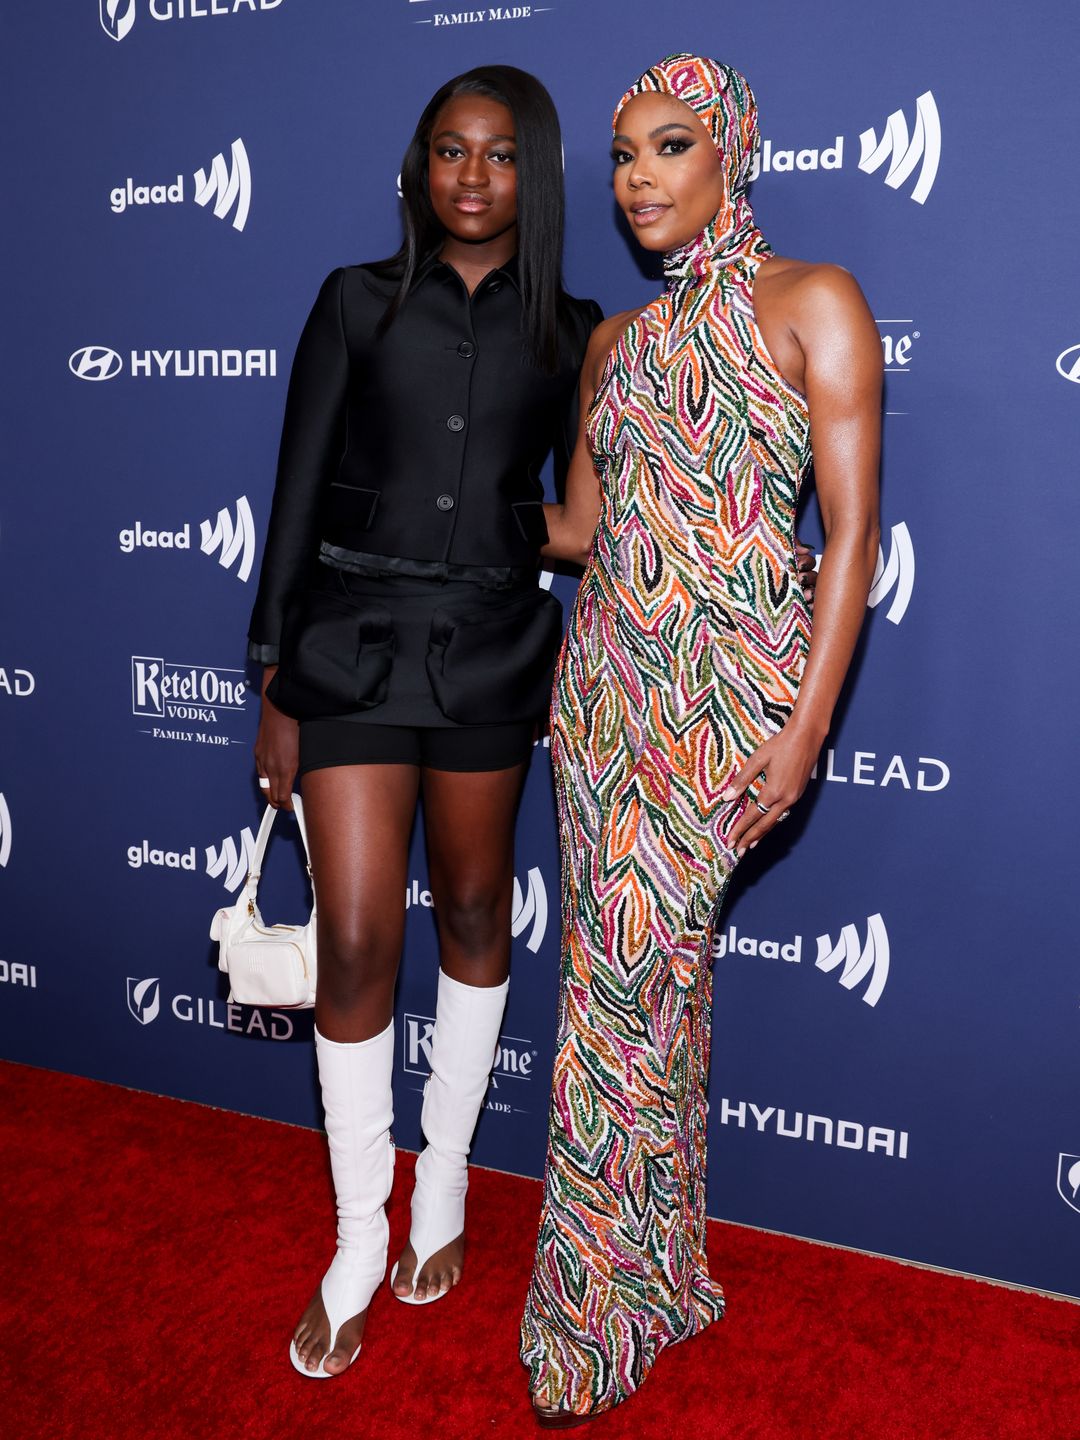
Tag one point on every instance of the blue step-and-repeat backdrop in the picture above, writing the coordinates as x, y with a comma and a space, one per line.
897, 1035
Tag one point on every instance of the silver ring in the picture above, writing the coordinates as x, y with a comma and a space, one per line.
263, 783
763, 808
783, 816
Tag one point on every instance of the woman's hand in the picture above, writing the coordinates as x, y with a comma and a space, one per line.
277, 749
806, 564
786, 761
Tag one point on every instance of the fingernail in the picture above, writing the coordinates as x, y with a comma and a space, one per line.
755, 844
728, 794
740, 850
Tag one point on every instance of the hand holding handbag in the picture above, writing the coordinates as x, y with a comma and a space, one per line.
266, 964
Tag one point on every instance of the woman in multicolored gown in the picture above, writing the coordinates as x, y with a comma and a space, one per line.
690, 704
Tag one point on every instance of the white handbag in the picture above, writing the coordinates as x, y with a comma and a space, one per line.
266, 964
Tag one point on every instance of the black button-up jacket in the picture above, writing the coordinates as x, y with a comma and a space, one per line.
425, 444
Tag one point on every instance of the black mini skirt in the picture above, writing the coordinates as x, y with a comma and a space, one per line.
399, 650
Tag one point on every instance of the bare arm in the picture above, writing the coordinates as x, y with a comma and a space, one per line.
572, 524
835, 331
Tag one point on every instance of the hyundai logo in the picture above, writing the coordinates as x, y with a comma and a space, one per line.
95, 362
1068, 364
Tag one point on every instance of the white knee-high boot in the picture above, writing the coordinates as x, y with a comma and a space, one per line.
467, 1020
357, 1099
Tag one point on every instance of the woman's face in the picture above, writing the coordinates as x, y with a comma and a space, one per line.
472, 170
669, 179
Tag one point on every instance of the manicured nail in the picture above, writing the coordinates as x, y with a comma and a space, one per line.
755, 844
728, 794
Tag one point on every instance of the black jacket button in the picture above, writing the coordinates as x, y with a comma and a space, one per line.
466, 349
455, 423
445, 502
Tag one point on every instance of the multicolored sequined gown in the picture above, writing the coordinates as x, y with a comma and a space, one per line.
684, 652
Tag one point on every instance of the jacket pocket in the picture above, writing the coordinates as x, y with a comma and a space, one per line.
351, 507
336, 657
492, 663
529, 515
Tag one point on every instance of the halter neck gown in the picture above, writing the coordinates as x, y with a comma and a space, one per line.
683, 654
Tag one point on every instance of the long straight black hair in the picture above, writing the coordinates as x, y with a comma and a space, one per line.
540, 202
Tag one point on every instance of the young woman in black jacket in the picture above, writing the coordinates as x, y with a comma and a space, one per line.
408, 646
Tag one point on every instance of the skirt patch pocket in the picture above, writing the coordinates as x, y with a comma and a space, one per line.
493, 663
336, 657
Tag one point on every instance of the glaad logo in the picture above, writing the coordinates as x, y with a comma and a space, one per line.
95, 362
227, 186
231, 537
144, 999
859, 961
1068, 1180
1068, 364
531, 909
232, 860
904, 151
848, 1134
144, 1004
872, 959
235, 541
117, 17
898, 572
5, 832
98, 362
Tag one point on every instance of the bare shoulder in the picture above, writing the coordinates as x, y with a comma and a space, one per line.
809, 285
609, 330
823, 308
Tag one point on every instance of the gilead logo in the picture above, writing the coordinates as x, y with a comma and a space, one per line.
117, 17
1068, 1180
144, 1006
19, 683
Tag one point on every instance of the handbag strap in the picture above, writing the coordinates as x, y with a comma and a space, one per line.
251, 885
263, 837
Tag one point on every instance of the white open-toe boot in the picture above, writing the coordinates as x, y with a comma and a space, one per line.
359, 1108
467, 1021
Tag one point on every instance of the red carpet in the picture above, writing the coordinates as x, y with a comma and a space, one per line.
157, 1255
